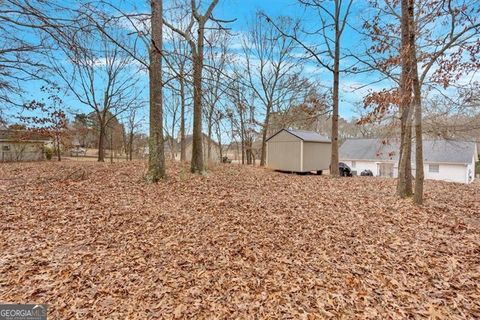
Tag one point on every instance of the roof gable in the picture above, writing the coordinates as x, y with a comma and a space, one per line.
307, 136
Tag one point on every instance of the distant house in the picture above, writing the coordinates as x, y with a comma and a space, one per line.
21, 145
298, 151
443, 159
234, 150
172, 148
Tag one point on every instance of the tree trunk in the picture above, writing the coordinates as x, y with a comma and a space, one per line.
263, 157
197, 165
111, 145
419, 174
183, 152
172, 141
404, 183
156, 157
242, 133
417, 106
334, 170
130, 146
220, 146
209, 142
57, 138
101, 142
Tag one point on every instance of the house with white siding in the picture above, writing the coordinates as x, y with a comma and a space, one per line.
22, 145
446, 160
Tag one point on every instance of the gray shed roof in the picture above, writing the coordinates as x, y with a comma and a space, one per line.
441, 151
307, 136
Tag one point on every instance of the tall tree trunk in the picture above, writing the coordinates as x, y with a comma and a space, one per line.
101, 142
130, 146
57, 138
111, 145
156, 157
242, 133
219, 139
334, 170
197, 165
209, 133
183, 152
419, 174
125, 143
404, 183
263, 157
417, 106
173, 142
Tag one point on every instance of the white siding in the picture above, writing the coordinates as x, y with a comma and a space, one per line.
316, 156
284, 152
362, 165
447, 172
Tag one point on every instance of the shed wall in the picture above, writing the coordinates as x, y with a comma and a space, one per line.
316, 156
283, 154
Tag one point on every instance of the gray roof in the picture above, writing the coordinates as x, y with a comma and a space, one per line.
307, 136
441, 151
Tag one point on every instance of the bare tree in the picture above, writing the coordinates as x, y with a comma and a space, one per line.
145, 47
132, 123
432, 58
180, 69
216, 82
102, 79
331, 17
30, 31
453, 116
242, 117
274, 73
156, 156
197, 25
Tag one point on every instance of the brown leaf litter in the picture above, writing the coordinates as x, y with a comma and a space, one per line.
95, 241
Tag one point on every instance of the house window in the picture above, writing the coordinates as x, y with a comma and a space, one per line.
434, 168
354, 164
5, 148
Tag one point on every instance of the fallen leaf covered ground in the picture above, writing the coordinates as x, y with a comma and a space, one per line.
95, 241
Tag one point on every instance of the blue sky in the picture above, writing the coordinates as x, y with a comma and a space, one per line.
244, 11
353, 88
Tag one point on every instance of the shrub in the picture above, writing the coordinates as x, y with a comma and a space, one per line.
48, 153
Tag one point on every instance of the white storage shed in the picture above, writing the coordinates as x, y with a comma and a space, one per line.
298, 151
